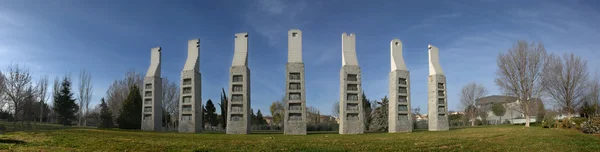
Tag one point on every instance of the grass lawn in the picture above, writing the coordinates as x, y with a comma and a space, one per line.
493, 138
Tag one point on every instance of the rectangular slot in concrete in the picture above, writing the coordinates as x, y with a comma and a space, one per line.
187, 81
186, 108
352, 107
352, 97
352, 116
295, 106
352, 87
237, 88
238, 78
236, 117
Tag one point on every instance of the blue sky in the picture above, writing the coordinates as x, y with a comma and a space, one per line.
110, 37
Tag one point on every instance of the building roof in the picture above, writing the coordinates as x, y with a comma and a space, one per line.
496, 99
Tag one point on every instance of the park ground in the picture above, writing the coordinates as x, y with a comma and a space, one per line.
487, 138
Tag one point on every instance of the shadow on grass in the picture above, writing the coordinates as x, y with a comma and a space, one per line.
11, 141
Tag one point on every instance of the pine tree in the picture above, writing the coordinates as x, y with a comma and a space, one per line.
131, 114
253, 117
380, 116
64, 103
211, 113
105, 116
260, 119
223, 106
367, 110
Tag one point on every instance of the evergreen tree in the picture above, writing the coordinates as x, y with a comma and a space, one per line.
64, 103
541, 113
253, 120
131, 113
211, 113
223, 106
260, 119
380, 115
105, 116
367, 110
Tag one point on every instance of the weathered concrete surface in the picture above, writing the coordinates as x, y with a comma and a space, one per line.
351, 108
151, 109
437, 102
349, 49
190, 99
434, 61
238, 116
396, 58
399, 109
294, 46
295, 108
240, 54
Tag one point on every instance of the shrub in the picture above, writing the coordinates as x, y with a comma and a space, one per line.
2, 129
578, 121
567, 123
549, 123
592, 126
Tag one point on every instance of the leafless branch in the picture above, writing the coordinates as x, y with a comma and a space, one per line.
85, 95
566, 80
468, 99
520, 74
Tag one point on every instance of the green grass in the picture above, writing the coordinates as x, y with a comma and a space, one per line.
32, 126
492, 138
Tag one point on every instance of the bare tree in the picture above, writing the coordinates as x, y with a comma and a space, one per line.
43, 97
55, 90
336, 109
16, 88
520, 73
594, 93
119, 89
170, 101
2, 85
566, 81
85, 96
468, 99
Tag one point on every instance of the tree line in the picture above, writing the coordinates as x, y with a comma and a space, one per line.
532, 75
24, 99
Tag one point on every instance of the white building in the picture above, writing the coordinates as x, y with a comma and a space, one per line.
512, 115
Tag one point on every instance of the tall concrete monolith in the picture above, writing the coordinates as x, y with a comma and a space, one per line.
190, 102
295, 97
399, 109
351, 107
151, 109
238, 116
437, 102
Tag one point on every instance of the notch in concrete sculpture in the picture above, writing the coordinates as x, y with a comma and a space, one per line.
238, 117
152, 109
351, 113
190, 102
295, 97
437, 99
399, 113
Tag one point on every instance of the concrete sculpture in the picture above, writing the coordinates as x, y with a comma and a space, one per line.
351, 113
190, 102
399, 109
437, 103
238, 116
152, 109
295, 97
